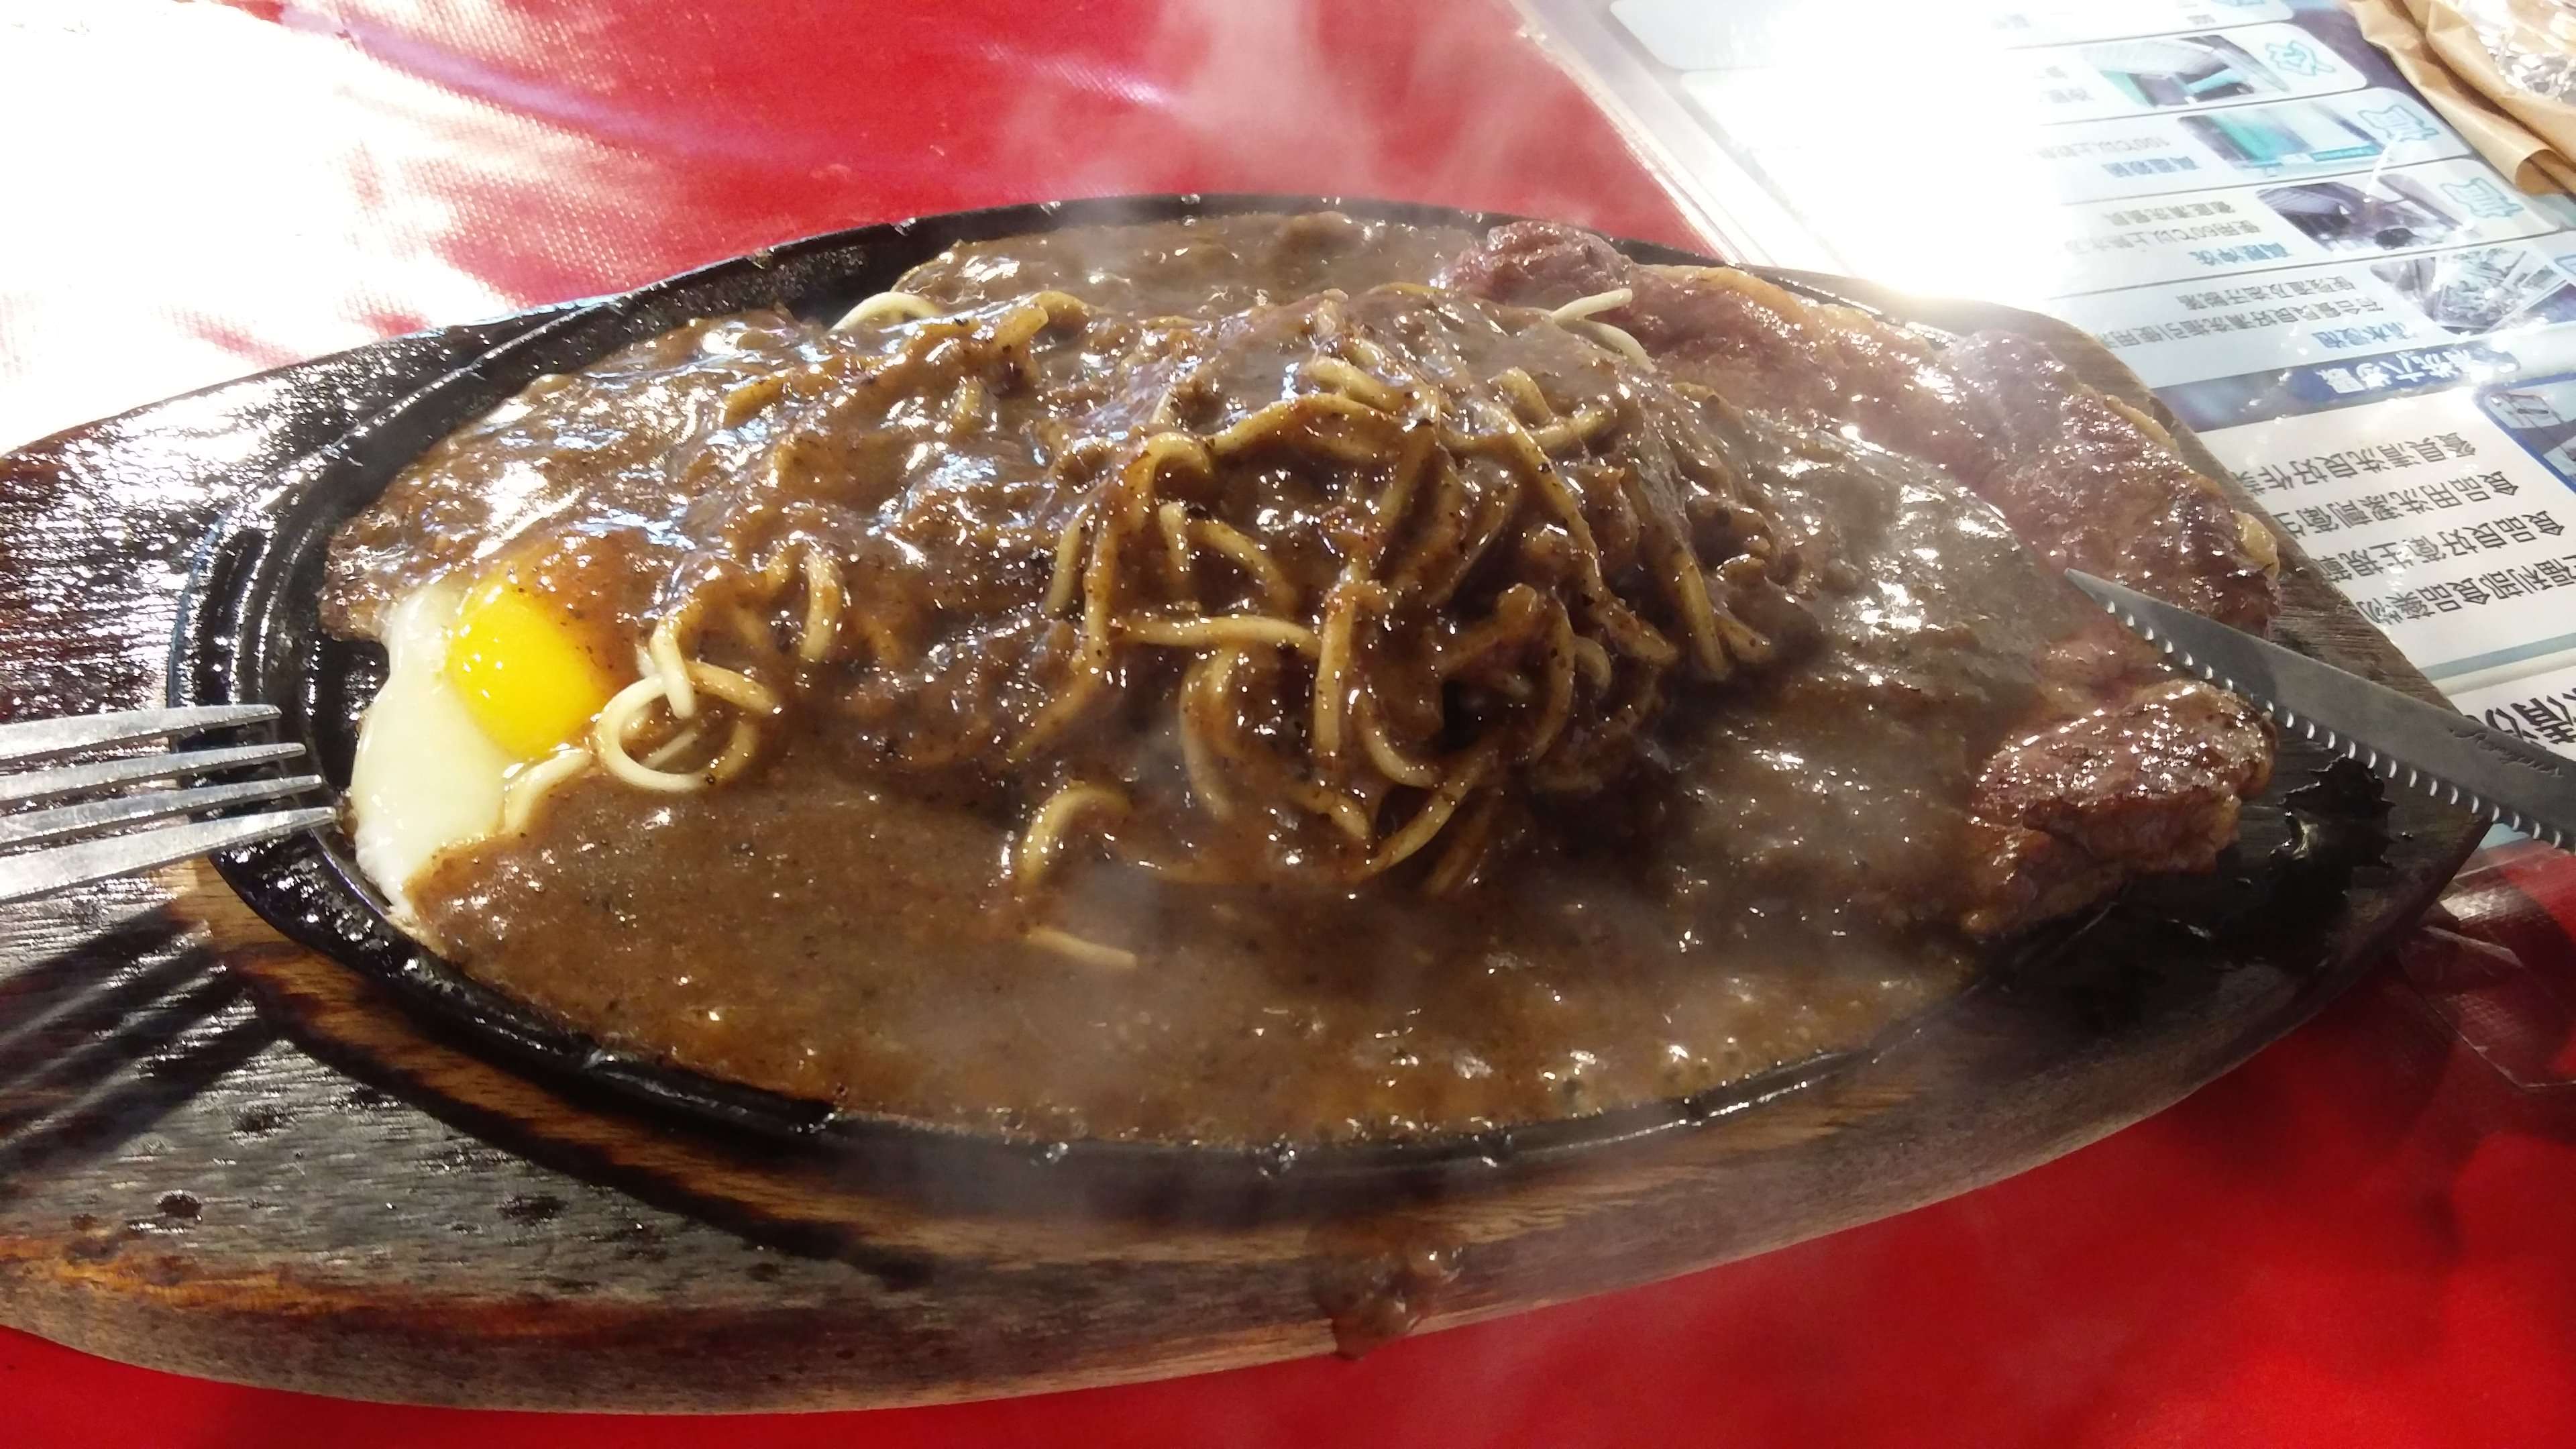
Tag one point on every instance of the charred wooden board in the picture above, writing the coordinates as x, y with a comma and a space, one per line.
224, 1155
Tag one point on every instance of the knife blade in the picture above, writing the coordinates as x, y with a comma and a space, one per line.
2457, 759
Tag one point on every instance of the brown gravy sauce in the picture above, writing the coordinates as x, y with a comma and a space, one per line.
1777, 883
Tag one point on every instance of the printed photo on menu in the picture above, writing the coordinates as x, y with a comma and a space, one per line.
2540, 415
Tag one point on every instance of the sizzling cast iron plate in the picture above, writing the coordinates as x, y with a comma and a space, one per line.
249, 631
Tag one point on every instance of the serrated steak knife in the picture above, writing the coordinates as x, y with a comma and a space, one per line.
2511, 781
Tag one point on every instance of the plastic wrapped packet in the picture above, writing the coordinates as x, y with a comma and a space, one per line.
2502, 71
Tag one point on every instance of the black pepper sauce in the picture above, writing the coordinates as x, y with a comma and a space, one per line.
1772, 876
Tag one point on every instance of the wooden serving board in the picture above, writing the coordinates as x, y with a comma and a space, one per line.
224, 1156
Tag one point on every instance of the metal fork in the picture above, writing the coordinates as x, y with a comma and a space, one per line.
61, 846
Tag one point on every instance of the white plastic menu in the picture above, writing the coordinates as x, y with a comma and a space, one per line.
2241, 198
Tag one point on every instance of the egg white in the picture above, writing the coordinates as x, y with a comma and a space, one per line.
426, 778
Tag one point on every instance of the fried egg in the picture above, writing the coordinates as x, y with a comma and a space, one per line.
488, 700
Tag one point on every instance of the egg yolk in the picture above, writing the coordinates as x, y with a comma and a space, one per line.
517, 660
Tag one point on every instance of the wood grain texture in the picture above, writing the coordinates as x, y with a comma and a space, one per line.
221, 1155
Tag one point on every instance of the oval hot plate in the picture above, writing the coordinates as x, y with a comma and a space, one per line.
250, 632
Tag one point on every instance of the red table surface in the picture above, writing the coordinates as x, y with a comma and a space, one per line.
2366, 1236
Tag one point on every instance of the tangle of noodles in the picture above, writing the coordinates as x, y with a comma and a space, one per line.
1548, 656
1501, 611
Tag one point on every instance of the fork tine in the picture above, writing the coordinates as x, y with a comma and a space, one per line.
37, 739
61, 780
36, 827
43, 872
